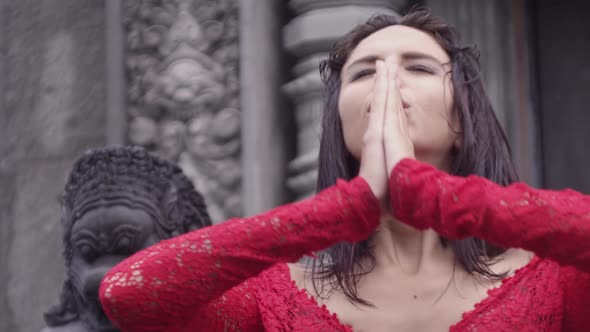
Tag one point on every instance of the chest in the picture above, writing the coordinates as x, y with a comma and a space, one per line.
530, 300
409, 304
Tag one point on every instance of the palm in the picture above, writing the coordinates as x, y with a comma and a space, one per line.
386, 140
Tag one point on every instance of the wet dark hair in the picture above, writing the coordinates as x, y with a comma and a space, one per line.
484, 150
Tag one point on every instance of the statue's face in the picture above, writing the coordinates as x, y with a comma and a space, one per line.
100, 239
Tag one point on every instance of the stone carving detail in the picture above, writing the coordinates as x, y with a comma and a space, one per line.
117, 201
182, 70
306, 92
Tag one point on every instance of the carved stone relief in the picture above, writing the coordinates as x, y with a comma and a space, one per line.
183, 99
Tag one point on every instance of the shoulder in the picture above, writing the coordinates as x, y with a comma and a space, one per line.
511, 261
278, 273
297, 273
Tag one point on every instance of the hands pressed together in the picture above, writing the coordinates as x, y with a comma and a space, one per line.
386, 141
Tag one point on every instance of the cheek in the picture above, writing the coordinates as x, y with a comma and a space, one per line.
447, 97
434, 96
352, 109
80, 271
435, 101
150, 240
433, 124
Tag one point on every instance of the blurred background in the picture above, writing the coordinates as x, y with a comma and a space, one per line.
230, 90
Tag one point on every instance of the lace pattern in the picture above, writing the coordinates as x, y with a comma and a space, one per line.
206, 276
233, 276
555, 225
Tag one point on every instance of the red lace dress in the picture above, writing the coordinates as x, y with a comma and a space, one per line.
233, 276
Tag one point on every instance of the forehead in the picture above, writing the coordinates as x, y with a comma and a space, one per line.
396, 40
108, 217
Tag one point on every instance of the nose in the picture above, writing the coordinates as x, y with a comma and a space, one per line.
394, 60
92, 282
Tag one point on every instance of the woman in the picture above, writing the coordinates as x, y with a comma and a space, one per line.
398, 89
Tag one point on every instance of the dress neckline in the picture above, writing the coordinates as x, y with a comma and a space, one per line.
492, 294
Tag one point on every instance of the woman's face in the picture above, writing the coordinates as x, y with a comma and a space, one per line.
424, 84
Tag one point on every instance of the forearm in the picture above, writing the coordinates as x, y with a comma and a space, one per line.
183, 274
552, 224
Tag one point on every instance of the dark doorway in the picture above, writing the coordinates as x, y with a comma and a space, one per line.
562, 39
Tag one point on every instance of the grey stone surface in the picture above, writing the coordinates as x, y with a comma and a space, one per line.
34, 264
116, 125
7, 183
50, 97
265, 117
316, 30
303, 6
53, 108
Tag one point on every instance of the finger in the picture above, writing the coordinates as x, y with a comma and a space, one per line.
400, 117
394, 100
394, 104
403, 122
373, 167
372, 151
397, 143
377, 111
395, 118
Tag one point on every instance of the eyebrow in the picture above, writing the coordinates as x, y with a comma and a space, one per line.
371, 59
127, 227
82, 234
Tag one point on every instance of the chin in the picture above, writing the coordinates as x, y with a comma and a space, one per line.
94, 318
442, 163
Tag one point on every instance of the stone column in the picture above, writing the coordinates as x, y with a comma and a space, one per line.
53, 99
309, 36
116, 125
264, 120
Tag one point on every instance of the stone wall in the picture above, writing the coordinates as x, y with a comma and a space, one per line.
52, 97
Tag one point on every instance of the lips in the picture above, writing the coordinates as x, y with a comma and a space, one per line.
405, 106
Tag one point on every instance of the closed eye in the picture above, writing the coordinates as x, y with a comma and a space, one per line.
420, 69
87, 248
126, 239
125, 243
363, 74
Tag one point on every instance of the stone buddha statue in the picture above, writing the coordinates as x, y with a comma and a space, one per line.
117, 201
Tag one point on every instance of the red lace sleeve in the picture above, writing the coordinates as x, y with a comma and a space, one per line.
576, 287
163, 287
552, 224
